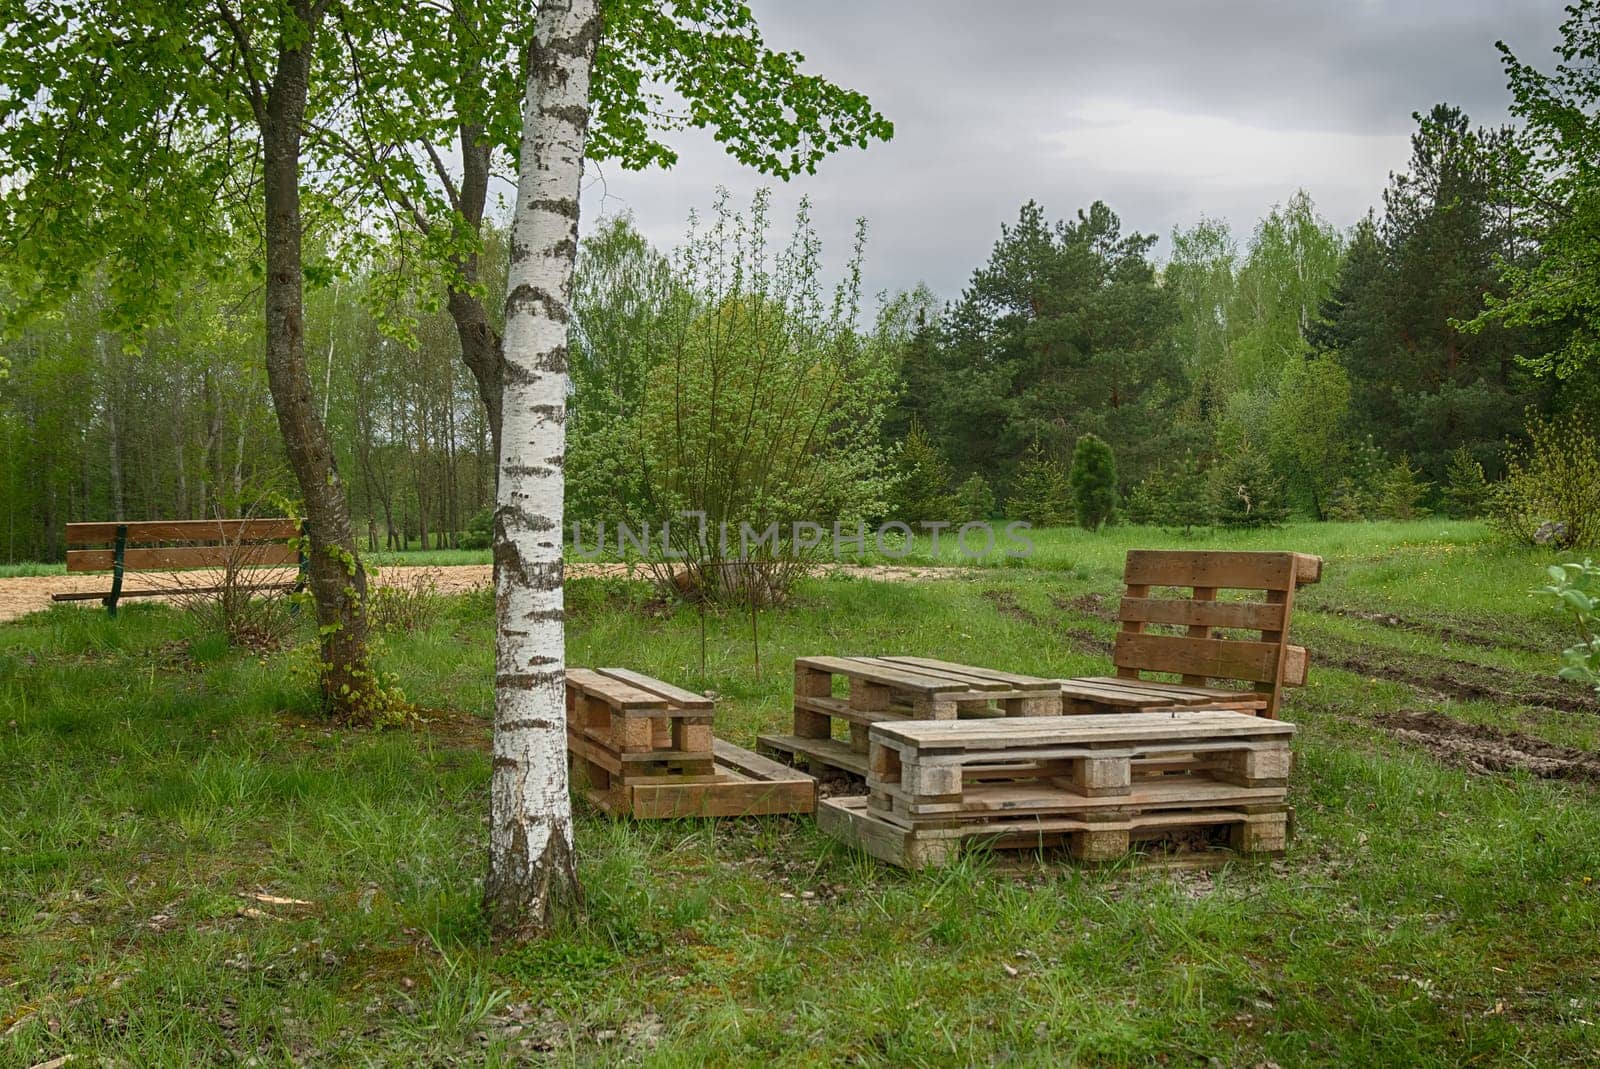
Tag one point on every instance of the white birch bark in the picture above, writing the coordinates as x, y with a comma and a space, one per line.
532, 866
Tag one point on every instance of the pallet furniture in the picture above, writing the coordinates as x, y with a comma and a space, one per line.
1212, 666
1094, 783
890, 689
181, 545
643, 748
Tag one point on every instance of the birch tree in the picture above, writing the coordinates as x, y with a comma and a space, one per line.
532, 866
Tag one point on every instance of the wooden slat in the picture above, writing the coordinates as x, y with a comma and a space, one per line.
968, 670
1211, 568
615, 693
176, 591
1028, 731
686, 699
178, 558
1295, 664
970, 678
903, 678
1249, 615
1166, 691
141, 531
1208, 657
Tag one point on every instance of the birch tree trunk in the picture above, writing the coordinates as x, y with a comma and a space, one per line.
533, 878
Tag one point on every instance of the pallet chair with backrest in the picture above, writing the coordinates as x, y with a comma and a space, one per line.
1192, 634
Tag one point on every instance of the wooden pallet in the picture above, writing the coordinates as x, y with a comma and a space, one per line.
1093, 783
643, 748
881, 690
1255, 830
1204, 641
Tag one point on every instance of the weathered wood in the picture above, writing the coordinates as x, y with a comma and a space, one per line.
623, 697
1204, 657
98, 595
225, 530
1226, 569
181, 558
1244, 615
677, 696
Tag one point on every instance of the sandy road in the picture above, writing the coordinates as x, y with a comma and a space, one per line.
26, 594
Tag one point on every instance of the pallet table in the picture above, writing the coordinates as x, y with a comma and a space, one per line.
643, 748
881, 690
1095, 783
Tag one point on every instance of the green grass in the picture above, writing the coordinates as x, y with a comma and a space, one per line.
1425, 914
29, 568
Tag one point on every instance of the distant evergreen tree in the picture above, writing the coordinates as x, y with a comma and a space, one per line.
1094, 482
1245, 492
1401, 492
922, 489
974, 499
1040, 494
1466, 489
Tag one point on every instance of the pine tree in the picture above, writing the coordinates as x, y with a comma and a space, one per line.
1401, 492
1467, 490
1244, 491
1040, 493
1094, 482
922, 491
974, 499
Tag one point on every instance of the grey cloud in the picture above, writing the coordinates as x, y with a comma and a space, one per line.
986, 99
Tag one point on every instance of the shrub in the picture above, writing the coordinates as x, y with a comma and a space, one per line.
1577, 586
1401, 490
1039, 493
1466, 490
480, 530
726, 385
974, 499
1551, 492
1094, 482
1244, 491
409, 604
921, 486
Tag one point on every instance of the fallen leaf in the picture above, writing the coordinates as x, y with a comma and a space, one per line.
275, 900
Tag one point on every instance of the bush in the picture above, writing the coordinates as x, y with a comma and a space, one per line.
1244, 491
921, 486
974, 499
1401, 490
480, 530
1466, 491
1094, 482
1551, 492
1039, 493
411, 603
723, 389
1577, 586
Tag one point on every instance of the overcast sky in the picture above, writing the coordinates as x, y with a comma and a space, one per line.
1165, 110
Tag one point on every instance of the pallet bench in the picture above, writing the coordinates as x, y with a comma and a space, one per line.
1203, 663
1094, 783
643, 748
882, 690
182, 545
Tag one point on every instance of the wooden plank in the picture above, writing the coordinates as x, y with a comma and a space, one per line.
1149, 693
1180, 724
1229, 569
860, 668
225, 530
733, 797
1248, 615
176, 591
623, 697
686, 699
969, 680
829, 752
1296, 664
1208, 657
962, 670
180, 558
753, 764
840, 709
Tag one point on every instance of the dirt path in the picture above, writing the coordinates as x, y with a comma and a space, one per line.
26, 594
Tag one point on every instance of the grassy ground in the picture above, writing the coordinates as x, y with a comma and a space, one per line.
1437, 907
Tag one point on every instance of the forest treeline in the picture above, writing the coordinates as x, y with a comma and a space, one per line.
1298, 369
